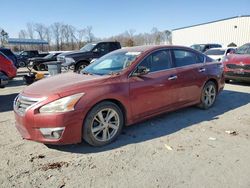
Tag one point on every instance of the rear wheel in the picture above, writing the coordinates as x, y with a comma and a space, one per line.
208, 95
42, 67
103, 124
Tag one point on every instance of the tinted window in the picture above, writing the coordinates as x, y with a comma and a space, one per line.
215, 52
113, 46
185, 57
245, 49
102, 48
157, 61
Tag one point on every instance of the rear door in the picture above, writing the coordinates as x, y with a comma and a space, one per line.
154, 91
191, 74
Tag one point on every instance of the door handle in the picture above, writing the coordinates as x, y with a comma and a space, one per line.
173, 77
202, 70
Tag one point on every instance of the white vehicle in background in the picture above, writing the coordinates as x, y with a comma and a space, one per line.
219, 53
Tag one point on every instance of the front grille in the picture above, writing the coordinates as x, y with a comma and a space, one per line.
21, 104
238, 66
246, 74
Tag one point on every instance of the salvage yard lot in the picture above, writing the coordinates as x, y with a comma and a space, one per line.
187, 148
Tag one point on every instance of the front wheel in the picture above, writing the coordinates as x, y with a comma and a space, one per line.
103, 124
208, 95
81, 65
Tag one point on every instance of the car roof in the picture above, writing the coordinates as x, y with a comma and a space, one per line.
222, 48
146, 48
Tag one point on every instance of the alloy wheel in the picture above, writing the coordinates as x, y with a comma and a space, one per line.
209, 95
105, 124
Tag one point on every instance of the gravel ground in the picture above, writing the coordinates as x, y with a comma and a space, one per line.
187, 148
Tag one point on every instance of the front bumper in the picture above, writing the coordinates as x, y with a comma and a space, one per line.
240, 76
30, 123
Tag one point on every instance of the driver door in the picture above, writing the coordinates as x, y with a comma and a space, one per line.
153, 92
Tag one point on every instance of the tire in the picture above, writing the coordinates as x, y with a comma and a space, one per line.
22, 64
208, 95
35, 67
81, 65
42, 67
96, 128
227, 81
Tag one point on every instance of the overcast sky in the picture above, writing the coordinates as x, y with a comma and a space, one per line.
112, 17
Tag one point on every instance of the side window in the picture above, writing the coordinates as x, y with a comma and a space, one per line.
113, 46
157, 61
185, 57
102, 48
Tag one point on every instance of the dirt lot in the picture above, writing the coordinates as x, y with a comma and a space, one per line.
187, 148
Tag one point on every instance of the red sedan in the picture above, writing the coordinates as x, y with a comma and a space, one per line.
121, 88
237, 66
7, 70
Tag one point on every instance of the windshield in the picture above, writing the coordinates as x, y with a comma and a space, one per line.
198, 47
215, 52
111, 63
88, 47
245, 49
49, 56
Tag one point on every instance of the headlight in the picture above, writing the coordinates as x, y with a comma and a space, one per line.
65, 104
69, 60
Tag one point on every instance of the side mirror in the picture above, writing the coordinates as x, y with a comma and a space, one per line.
141, 70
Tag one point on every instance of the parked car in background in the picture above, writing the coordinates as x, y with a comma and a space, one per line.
7, 52
121, 88
37, 63
204, 47
83, 57
25, 55
219, 53
7, 70
237, 65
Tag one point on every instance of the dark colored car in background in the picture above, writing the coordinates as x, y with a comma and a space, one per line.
204, 47
237, 65
25, 55
7, 70
121, 88
37, 63
83, 57
7, 52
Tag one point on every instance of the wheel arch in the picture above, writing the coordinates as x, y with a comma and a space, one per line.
214, 81
115, 101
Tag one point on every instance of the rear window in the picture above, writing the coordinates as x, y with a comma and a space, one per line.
184, 57
215, 52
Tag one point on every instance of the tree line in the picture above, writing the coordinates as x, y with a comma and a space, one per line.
62, 36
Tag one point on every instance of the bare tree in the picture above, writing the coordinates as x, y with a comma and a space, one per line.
22, 34
89, 34
48, 36
30, 30
3, 37
40, 29
56, 27
80, 36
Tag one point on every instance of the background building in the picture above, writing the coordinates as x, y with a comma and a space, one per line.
225, 31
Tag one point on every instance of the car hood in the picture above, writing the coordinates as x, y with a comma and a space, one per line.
73, 54
239, 58
36, 58
216, 56
63, 84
